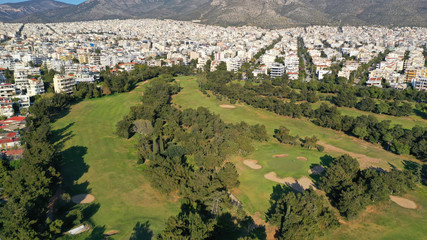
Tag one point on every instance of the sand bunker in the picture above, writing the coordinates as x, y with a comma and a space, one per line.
227, 106
252, 164
304, 159
272, 176
316, 170
83, 198
111, 233
305, 183
403, 202
280, 155
300, 185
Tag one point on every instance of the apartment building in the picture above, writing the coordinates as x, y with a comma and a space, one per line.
63, 83
35, 87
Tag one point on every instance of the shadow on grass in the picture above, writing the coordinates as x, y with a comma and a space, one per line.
326, 160
97, 233
61, 136
142, 231
72, 169
420, 113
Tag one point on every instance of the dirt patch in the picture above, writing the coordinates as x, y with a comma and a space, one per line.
304, 159
252, 164
272, 176
111, 233
226, 106
403, 202
83, 198
364, 160
316, 170
280, 155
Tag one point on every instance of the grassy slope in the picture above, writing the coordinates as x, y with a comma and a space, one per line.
93, 154
388, 221
190, 96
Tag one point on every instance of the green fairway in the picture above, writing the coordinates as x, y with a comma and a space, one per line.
385, 221
191, 97
254, 189
97, 161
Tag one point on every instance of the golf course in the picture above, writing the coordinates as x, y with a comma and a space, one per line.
97, 162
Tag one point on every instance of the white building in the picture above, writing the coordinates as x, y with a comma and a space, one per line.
277, 70
63, 83
7, 90
35, 87
420, 83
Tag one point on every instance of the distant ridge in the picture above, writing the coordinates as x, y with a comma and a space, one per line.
264, 13
13, 11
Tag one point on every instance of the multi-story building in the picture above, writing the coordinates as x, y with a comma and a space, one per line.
277, 70
63, 83
420, 83
35, 87
6, 107
21, 78
7, 90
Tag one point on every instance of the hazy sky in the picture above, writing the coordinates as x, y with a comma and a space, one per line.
67, 1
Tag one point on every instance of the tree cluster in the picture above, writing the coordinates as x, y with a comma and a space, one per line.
397, 139
28, 188
351, 189
184, 153
303, 215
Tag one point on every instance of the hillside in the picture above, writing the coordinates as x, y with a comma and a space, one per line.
264, 13
12, 11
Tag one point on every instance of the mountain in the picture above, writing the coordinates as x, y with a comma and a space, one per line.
264, 13
12, 11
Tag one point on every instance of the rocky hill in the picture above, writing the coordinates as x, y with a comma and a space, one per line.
13, 11
265, 13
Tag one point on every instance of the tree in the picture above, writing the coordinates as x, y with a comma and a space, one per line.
310, 142
301, 216
189, 224
143, 127
228, 176
283, 135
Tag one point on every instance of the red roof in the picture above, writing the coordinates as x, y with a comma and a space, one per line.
6, 140
14, 152
18, 119
12, 134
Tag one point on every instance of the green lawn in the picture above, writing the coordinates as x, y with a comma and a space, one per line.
255, 200
97, 161
191, 97
387, 221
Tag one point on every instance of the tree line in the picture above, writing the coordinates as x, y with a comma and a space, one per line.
396, 139
184, 153
27, 189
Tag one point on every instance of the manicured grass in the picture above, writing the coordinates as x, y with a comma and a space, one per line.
98, 162
384, 221
191, 97
254, 190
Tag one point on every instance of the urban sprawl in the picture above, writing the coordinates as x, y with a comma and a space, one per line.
78, 52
